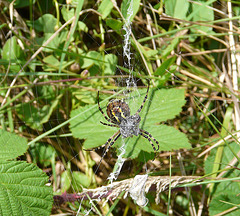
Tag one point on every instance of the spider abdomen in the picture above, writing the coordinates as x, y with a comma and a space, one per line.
118, 113
118, 110
130, 126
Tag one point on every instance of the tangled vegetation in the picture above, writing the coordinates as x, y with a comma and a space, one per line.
55, 58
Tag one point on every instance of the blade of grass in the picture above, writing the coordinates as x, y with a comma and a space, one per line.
69, 120
214, 127
218, 157
115, 203
70, 34
169, 191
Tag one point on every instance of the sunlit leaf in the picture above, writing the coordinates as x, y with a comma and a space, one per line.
45, 23
129, 9
226, 190
225, 202
165, 66
42, 153
114, 23
202, 13
91, 58
11, 49
177, 8
35, 117
66, 179
23, 189
11, 145
160, 106
80, 180
67, 13
110, 66
82, 26
105, 8
13, 53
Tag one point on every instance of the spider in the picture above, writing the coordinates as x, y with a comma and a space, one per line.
119, 116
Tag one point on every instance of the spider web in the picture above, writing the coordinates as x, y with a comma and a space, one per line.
53, 130
130, 84
30, 110
130, 81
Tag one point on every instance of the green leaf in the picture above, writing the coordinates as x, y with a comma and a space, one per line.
91, 58
54, 44
171, 47
23, 190
45, 23
21, 4
164, 66
160, 106
163, 105
114, 24
80, 180
168, 137
236, 10
62, 37
13, 53
131, 6
82, 26
75, 179
30, 115
48, 110
226, 158
226, 190
45, 91
42, 153
105, 8
52, 63
35, 117
11, 145
11, 49
223, 202
66, 178
177, 8
52, 60
74, 2
149, 52
202, 13
110, 66
85, 96
67, 14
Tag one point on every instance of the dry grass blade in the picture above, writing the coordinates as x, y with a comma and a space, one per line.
156, 183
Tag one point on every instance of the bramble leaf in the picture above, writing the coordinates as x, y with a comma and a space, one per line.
11, 145
23, 190
160, 106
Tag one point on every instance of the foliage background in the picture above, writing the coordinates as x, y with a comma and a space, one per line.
176, 44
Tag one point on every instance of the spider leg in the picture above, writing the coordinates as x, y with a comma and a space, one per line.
100, 109
150, 135
116, 135
108, 141
145, 136
144, 100
149, 140
110, 125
